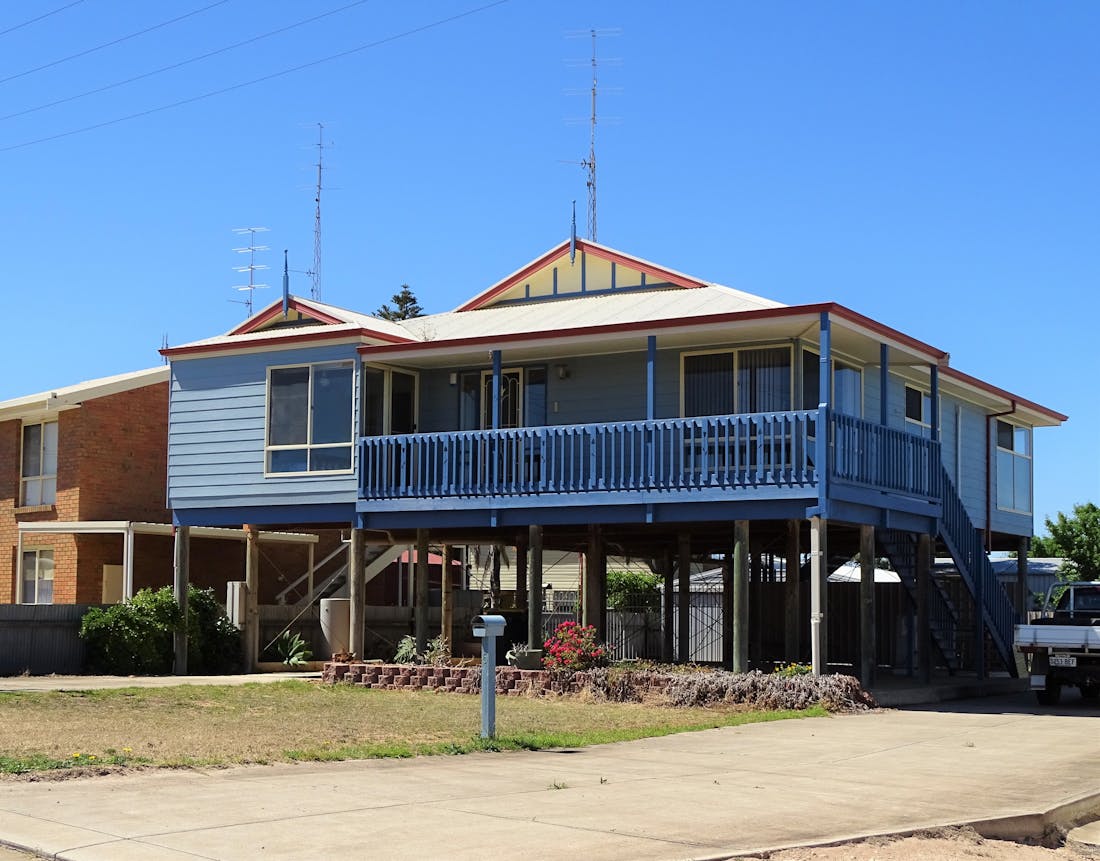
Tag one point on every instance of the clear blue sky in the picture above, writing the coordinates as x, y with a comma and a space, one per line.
935, 166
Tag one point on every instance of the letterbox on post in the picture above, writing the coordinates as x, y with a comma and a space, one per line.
488, 628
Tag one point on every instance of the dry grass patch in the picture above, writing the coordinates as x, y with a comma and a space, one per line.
293, 720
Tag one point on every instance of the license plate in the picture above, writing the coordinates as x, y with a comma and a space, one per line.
1063, 661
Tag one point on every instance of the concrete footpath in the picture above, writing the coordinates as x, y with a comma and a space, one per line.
999, 762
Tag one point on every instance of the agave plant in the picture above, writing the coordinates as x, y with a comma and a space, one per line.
291, 649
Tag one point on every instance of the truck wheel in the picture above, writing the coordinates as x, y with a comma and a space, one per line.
1049, 695
1090, 691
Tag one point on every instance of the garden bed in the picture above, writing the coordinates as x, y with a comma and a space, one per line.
616, 684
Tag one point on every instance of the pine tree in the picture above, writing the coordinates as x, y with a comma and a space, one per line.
405, 306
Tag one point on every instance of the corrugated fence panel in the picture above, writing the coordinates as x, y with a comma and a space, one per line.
41, 638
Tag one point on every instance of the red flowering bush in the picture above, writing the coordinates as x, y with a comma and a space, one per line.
572, 648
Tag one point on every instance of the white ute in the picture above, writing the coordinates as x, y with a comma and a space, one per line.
1063, 645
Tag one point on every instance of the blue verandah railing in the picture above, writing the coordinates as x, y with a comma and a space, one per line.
712, 452
884, 458
664, 454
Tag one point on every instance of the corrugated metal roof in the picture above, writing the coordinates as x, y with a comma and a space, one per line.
636, 306
74, 394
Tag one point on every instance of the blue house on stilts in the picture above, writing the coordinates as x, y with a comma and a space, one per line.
597, 402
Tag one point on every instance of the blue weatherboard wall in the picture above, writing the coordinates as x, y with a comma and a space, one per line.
216, 434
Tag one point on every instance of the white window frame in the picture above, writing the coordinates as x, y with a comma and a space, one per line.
1028, 457
37, 553
387, 395
42, 476
736, 351
924, 426
309, 446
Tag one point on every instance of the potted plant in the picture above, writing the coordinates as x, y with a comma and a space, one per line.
524, 657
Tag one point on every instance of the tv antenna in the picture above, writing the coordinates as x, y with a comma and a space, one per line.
589, 163
315, 273
252, 267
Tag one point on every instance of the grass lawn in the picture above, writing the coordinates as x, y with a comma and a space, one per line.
89, 731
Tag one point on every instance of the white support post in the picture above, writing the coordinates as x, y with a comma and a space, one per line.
819, 575
19, 569
128, 563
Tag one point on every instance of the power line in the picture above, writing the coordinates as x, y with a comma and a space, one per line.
117, 41
15, 27
414, 31
182, 63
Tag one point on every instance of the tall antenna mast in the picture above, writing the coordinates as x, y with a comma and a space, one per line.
315, 289
590, 162
252, 267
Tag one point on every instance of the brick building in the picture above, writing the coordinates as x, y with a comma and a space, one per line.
82, 495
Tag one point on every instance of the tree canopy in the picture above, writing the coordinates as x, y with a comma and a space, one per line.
1076, 539
405, 306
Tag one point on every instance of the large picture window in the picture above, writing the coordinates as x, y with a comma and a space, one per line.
737, 381
38, 475
309, 418
37, 576
1013, 467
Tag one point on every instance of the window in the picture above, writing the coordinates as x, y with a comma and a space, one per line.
847, 395
37, 576
309, 425
1013, 467
389, 401
918, 411
39, 469
737, 381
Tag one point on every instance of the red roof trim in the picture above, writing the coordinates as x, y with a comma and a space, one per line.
253, 324
1001, 393
302, 337
482, 299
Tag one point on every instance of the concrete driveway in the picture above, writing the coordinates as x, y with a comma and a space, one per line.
708, 794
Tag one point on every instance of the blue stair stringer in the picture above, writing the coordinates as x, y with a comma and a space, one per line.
964, 543
943, 617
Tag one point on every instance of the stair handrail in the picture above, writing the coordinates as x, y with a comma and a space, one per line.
968, 551
280, 598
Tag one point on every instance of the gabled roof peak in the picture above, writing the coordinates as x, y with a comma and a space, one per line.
592, 269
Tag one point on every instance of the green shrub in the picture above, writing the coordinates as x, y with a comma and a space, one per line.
633, 590
135, 637
792, 669
213, 642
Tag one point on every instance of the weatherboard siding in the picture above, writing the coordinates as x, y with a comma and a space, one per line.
216, 434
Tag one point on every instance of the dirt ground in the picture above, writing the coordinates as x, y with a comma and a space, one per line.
949, 844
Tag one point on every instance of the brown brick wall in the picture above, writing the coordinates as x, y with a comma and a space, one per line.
9, 492
124, 455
